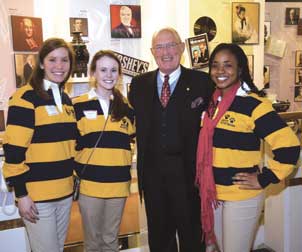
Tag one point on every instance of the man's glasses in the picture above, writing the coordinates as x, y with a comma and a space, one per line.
169, 46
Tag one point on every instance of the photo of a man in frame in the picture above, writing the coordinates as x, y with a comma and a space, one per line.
27, 33
78, 24
125, 21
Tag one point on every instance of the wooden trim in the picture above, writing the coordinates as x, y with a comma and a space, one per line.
293, 182
10, 224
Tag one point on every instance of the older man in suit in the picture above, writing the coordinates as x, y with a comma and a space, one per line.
168, 103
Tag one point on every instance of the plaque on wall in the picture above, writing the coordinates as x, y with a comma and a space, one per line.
205, 25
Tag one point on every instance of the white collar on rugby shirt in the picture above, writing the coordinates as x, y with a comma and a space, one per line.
241, 91
104, 103
56, 93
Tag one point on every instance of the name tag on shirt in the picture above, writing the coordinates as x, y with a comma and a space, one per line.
51, 110
90, 114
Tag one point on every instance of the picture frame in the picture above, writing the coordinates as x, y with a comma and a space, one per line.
298, 93
125, 21
298, 57
292, 15
24, 65
298, 76
267, 30
27, 34
198, 49
78, 24
266, 76
250, 59
245, 23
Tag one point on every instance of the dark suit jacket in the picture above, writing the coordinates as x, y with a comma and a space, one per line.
196, 91
121, 31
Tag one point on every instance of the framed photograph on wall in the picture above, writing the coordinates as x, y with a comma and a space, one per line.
298, 58
298, 93
250, 59
266, 76
245, 23
267, 30
27, 33
292, 16
24, 65
298, 76
198, 50
125, 21
77, 24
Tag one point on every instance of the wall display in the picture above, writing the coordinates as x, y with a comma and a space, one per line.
125, 21
132, 66
27, 33
205, 25
267, 30
298, 76
266, 76
298, 58
292, 16
250, 59
298, 94
245, 23
198, 50
77, 24
24, 65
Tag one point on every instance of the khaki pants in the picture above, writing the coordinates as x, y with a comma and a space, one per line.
236, 223
49, 232
101, 220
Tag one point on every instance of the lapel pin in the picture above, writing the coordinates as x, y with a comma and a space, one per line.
188, 89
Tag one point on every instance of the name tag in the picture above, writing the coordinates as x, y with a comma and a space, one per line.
90, 114
51, 110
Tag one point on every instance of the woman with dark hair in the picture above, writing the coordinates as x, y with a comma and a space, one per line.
39, 147
229, 155
104, 166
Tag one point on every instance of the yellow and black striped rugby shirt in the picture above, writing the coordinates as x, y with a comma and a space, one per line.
108, 173
237, 145
39, 146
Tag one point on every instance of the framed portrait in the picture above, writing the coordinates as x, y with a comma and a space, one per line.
125, 21
298, 76
292, 16
245, 23
77, 24
298, 58
250, 59
266, 76
27, 33
24, 65
198, 50
267, 30
298, 93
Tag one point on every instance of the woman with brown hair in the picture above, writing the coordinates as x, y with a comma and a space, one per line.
39, 147
106, 125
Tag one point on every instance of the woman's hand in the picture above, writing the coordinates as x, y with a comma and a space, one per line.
247, 181
28, 209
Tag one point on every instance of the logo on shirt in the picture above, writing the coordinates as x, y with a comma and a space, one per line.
124, 124
70, 112
228, 120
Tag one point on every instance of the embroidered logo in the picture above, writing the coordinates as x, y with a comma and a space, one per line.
228, 120
124, 124
70, 112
